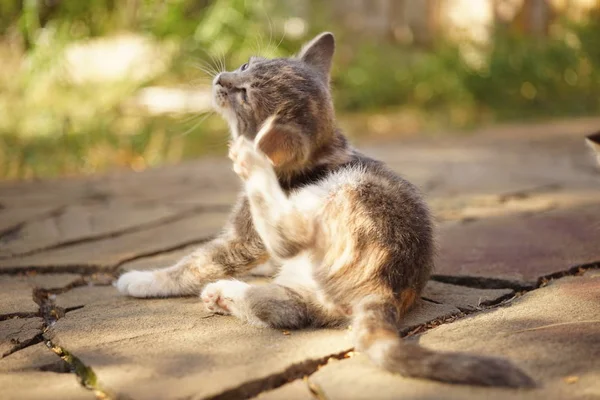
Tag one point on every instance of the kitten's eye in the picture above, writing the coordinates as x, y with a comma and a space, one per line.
244, 67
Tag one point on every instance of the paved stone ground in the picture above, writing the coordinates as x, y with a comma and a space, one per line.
517, 276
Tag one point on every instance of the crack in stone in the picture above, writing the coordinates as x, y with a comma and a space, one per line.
573, 271
162, 251
293, 372
302, 370
89, 269
306, 368
518, 286
51, 313
115, 234
5, 317
85, 374
41, 297
21, 345
82, 269
16, 228
483, 282
527, 193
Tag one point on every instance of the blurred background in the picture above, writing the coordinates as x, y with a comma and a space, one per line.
96, 85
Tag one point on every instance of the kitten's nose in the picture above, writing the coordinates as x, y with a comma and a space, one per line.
225, 79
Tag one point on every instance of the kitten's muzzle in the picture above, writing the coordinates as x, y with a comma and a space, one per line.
227, 80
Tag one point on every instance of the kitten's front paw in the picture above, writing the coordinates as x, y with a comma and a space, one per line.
224, 297
246, 159
136, 283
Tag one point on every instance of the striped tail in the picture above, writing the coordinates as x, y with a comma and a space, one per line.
375, 326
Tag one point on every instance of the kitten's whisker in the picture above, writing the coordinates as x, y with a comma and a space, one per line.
281, 40
221, 61
213, 67
218, 67
195, 116
206, 67
211, 74
262, 44
197, 124
212, 64
256, 49
270, 26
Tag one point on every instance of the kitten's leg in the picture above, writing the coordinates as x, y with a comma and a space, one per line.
235, 252
262, 305
282, 227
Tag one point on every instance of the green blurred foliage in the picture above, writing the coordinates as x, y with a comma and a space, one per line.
520, 78
50, 126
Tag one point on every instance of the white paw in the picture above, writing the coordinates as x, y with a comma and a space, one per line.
246, 159
224, 297
137, 283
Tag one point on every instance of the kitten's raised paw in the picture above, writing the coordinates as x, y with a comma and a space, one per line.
224, 296
246, 159
136, 283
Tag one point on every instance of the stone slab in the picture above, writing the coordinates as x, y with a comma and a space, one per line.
519, 201
85, 295
296, 390
159, 261
552, 333
12, 217
107, 253
462, 297
36, 372
521, 247
18, 332
16, 297
176, 182
37, 357
494, 163
82, 222
426, 311
34, 385
173, 348
16, 292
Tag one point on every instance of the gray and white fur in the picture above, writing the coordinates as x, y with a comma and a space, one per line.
353, 240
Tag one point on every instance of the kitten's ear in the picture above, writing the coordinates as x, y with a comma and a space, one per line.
318, 53
283, 144
594, 142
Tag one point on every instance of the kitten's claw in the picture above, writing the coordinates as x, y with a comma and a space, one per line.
223, 296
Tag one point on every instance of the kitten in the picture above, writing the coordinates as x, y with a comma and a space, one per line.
354, 241
594, 142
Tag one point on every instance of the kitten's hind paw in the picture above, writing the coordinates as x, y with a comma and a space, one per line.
223, 296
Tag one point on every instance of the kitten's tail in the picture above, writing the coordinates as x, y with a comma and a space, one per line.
375, 327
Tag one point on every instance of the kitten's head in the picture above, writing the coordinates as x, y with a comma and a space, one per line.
594, 142
283, 104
